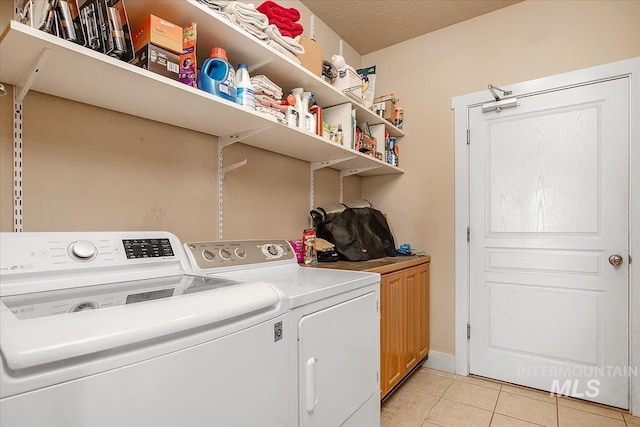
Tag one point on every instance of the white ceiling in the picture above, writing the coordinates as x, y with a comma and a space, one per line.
370, 25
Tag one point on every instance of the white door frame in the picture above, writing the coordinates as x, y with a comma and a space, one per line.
461, 105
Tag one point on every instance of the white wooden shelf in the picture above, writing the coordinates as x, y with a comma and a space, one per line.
214, 30
81, 74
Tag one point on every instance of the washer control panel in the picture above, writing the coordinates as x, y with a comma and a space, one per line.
36, 252
208, 255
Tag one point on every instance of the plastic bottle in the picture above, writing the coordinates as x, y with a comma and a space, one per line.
245, 94
393, 152
340, 136
217, 76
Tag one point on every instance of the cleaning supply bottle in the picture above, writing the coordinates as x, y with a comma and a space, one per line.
217, 76
245, 94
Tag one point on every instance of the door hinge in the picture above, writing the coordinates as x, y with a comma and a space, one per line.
468, 234
468, 331
630, 259
468, 136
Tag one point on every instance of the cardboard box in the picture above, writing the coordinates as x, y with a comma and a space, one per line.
158, 32
385, 109
312, 57
159, 60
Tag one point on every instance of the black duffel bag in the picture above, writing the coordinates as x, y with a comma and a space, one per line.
360, 233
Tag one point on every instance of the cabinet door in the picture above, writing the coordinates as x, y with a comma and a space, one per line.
422, 295
411, 336
391, 331
416, 315
338, 361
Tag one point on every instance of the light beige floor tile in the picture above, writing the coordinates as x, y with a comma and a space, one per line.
590, 407
393, 419
472, 395
411, 402
631, 420
527, 409
428, 424
438, 372
434, 385
528, 392
479, 381
569, 417
500, 420
453, 414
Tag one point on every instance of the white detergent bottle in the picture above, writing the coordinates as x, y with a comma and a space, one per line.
245, 94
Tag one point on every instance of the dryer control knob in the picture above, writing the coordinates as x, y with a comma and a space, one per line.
83, 250
240, 253
208, 255
225, 254
272, 251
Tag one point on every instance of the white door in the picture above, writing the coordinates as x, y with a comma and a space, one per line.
338, 362
548, 208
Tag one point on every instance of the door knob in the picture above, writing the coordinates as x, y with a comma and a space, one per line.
615, 260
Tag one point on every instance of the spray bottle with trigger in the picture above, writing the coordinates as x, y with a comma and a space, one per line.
309, 119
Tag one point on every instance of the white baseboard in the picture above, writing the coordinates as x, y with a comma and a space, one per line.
441, 361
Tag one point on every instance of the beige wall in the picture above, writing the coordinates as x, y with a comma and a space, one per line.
87, 168
92, 169
525, 41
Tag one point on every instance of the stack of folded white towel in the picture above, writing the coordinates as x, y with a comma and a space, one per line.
257, 24
268, 98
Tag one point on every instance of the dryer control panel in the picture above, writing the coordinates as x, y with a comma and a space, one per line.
209, 255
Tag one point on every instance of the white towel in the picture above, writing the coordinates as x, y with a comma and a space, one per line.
261, 81
278, 47
247, 14
267, 101
215, 5
288, 43
254, 31
272, 114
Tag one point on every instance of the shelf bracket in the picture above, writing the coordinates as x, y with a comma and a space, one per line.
350, 172
321, 165
225, 141
232, 167
239, 136
23, 86
19, 93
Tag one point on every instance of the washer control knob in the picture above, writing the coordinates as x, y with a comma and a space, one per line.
225, 254
273, 250
83, 250
240, 253
208, 255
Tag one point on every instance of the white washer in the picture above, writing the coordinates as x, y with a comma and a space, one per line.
336, 348
113, 329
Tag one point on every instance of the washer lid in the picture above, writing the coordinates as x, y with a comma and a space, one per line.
44, 327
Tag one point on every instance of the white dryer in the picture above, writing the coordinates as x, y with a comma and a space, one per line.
336, 321
113, 329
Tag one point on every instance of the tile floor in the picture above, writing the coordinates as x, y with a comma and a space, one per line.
431, 398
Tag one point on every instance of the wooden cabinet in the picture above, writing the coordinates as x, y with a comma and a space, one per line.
391, 331
404, 313
404, 323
